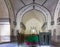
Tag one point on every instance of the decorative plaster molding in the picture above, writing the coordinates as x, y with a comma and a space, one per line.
58, 21
14, 22
52, 22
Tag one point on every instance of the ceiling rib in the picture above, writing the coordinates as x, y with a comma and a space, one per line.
44, 2
33, 3
22, 2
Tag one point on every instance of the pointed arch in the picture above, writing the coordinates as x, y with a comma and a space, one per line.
30, 7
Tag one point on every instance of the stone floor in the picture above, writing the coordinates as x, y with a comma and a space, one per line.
24, 45
16, 45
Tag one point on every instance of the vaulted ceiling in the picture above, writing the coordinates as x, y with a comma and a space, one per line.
4, 14
49, 4
19, 4
3, 10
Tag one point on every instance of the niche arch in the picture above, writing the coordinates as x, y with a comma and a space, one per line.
29, 7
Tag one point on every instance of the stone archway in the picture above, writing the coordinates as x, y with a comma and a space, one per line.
56, 12
30, 7
56, 18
